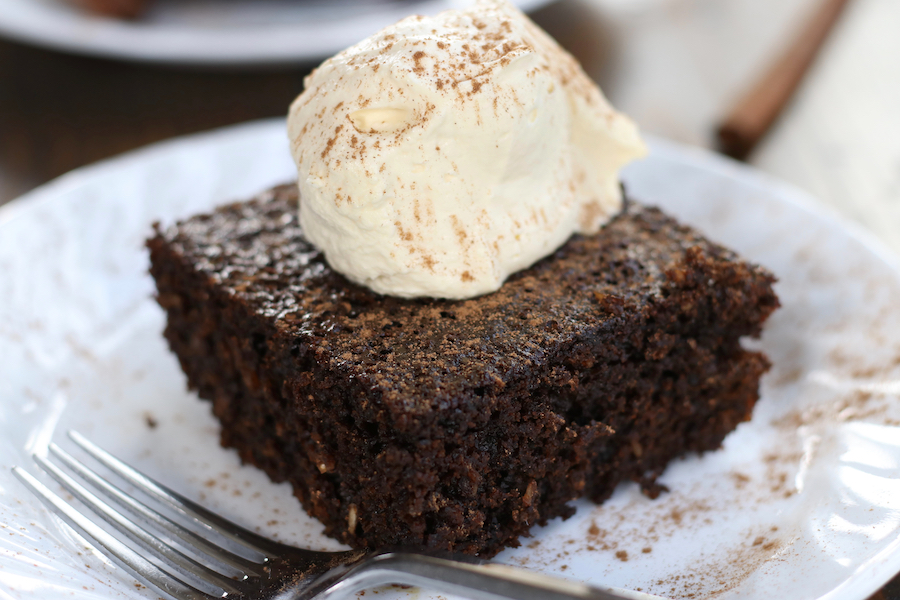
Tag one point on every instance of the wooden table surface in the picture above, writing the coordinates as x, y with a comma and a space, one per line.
674, 65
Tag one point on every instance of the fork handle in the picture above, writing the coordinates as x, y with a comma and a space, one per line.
463, 576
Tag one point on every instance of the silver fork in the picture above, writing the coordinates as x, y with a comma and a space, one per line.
215, 558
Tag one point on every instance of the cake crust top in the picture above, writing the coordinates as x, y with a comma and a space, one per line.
596, 298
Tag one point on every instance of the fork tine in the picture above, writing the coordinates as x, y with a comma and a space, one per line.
237, 564
188, 509
132, 562
173, 557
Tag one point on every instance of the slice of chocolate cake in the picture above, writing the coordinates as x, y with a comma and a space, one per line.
459, 425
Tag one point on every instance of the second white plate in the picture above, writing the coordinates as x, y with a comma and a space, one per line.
216, 32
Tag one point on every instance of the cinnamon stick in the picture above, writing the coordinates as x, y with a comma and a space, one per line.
758, 108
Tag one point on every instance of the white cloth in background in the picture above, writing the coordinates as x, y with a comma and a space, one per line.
675, 66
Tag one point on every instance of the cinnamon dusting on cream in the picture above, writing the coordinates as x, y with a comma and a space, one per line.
476, 114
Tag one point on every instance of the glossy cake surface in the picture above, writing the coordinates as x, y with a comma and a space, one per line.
460, 424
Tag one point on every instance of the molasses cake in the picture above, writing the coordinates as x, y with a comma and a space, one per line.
460, 424
453, 325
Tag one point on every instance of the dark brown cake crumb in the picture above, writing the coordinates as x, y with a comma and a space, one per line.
460, 425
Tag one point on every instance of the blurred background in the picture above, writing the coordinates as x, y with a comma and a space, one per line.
678, 67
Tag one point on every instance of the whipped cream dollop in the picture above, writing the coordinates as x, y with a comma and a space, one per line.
443, 154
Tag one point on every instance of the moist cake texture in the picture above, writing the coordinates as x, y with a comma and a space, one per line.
461, 424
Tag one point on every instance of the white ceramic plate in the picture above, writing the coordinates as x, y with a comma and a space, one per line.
802, 502
215, 32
